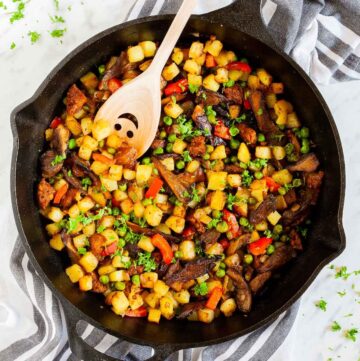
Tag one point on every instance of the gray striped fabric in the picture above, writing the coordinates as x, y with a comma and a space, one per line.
324, 38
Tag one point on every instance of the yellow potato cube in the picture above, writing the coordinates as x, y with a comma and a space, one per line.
115, 172
113, 141
210, 83
258, 195
263, 152
206, 315
120, 303
88, 261
139, 209
143, 173
127, 206
182, 296
135, 54
55, 214
222, 75
74, 272
195, 79
215, 48
161, 288
86, 125
218, 200
170, 72
270, 100
90, 142
177, 57
99, 167
193, 166
73, 125
153, 300
145, 244
57, 243
196, 49
177, 224
282, 176
228, 307
80, 241
119, 276
86, 204
187, 250
85, 153
149, 48
179, 146
278, 152
167, 308
234, 180
192, 67
169, 163
244, 153
101, 130
85, 283
104, 270
153, 215
52, 229
216, 180
274, 217
235, 74
154, 315
264, 77
222, 59
173, 110
293, 121
218, 153
129, 174
148, 279
120, 195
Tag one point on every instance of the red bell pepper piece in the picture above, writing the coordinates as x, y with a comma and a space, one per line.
247, 104
55, 122
210, 61
108, 250
224, 243
272, 185
102, 158
154, 188
222, 131
234, 228
115, 203
114, 84
60, 193
188, 232
178, 87
214, 298
258, 247
160, 242
239, 65
139, 312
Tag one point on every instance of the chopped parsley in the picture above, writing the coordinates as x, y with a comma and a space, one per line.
229, 83
198, 249
193, 88
257, 163
58, 159
209, 111
201, 289
342, 294
213, 223
342, 273
246, 178
86, 182
18, 14
56, 2
34, 36
57, 33
186, 127
57, 19
82, 250
322, 305
100, 229
186, 156
231, 200
351, 334
147, 261
69, 173
195, 195
335, 326
12, 46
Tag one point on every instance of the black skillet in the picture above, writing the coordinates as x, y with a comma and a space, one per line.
239, 26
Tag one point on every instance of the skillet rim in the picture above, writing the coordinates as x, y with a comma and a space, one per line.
70, 308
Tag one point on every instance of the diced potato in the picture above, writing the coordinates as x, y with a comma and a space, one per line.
90, 142
145, 244
135, 54
214, 48
195, 79
179, 211
127, 206
57, 243
135, 300
222, 75
49, 134
59, 184
73, 125
216, 180
80, 241
148, 279
143, 173
52, 229
136, 193
120, 262
161, 198
162, 227
177, 56
210, 83
187, 250
120, 195
201, 59
89, 80
263, 152
232, 260
55, 214
113, 141
270, 100
218, 153
119, 303
99, 167
242, 209
105, 270
262, 226
169, 163
234, 180
196, 49
282, 176
222, 59
86, 125
167, 308
119, 275
280, 203
254, 82
86, 204
254, 236
228, 307
179, 146
101, 130
177, 224
206, 315
149, 48
182, 297
161, 288
192, 67
216, 249
170, 72
153, 300
264, 77
129, 174
235, 74
139, 209
74, 272
115, 172
85, 153
88, 261
293, 121
244, 153
109, 184
274, 217
154, 315
107, 221
258, 194
153, 215
173, 110
278, 152
218, 200
85, 283
193, 166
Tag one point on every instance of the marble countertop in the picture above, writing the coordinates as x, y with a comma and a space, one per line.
23, 69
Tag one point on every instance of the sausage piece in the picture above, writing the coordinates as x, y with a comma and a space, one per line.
45, 193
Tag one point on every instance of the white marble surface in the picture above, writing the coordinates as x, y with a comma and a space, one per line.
24, 68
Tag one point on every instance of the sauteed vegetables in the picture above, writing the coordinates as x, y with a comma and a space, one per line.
198, 225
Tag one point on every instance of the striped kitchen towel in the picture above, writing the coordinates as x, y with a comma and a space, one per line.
324, 38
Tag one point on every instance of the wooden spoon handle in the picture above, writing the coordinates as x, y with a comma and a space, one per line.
173, 35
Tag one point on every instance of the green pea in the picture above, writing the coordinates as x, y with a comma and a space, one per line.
163, 134
158, 151
234, 159
305, 146
296, 182
243, 165
120, 286
261, 137
104, 279
234, 143
122, 231
171, 138
222, 227
278, 229
180, 164
72, 143
101, 69
123, 187
121, 242
206, 156
135, 279
178, 254
282, 191
244, 222
248, 258
304, 132
146, 160
270, 249
234, 131
111, 150
115, 211
169, 148
222, 265
147, 202
258, 175
220, 273
167, 120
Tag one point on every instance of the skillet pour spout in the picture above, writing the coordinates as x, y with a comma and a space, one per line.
239, 27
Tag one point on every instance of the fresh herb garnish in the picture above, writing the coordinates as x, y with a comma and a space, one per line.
322, 305
335, 326
82, 250
186, 127
86, 182
12, 46
57, 19
351, 334
342, 294
193, 88
56, 2
58, 33
18, 14
342, 273
186, 156
201, 289
246, 178
145, 259
257, 163
58, 159
231, 200
229, 83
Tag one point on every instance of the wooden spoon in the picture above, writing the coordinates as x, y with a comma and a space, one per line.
134, 109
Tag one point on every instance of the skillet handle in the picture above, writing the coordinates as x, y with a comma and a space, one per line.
83, 351
243, 15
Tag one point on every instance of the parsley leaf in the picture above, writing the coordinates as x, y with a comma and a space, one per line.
12, 46
57, 33
56, 2
58, 159
82, 250
351, 334
231, 200
34, 36
342, 294
229, 83
195, 195
258, 163
57, 19
193, 88
186, 156
145, 259
342, 273
201, 289
186, 127
322, 305
209, 111
18, 14
246, 178
335, 326
198, 249
85, 182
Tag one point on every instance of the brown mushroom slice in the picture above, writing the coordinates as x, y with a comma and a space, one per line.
209, 97
258, 281
243, 293
48, 167
234, 94
151, 232
60, 139
307, 163
188, 309
70, 248
267, 206
281, 256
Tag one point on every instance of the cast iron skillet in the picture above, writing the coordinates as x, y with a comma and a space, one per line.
239, 26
